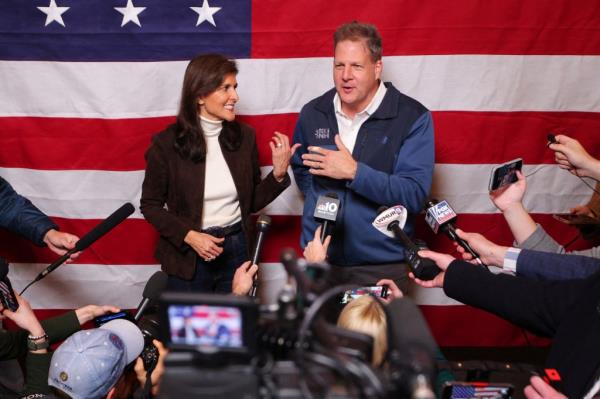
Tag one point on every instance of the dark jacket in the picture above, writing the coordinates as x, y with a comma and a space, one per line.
566, 311
395, 154
19, 215
179, 183
551, 266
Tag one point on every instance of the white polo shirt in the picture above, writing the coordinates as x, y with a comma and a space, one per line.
348, 127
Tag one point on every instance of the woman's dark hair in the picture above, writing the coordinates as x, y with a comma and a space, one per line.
203, 75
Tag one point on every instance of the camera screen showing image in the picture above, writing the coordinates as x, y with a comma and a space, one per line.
380, 291
209, 323
204, 325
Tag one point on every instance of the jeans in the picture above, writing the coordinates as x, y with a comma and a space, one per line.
215, 276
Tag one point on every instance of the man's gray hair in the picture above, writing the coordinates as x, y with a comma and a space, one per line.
356, 31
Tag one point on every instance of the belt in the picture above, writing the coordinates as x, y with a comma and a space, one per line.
218, 231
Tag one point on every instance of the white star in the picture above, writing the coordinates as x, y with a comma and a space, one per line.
130, 13
53, 13
205, 13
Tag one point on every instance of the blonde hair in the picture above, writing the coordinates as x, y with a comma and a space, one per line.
365, 315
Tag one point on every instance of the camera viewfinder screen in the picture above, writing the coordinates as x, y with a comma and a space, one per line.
206, 326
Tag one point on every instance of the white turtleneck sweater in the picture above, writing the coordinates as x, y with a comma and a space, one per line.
221, 205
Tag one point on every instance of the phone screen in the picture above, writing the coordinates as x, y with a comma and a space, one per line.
7, 295
380, 291
98, 321
505, 174
475, 390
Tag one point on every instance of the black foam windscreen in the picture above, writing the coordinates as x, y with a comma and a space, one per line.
263, 223
3, 268
105, 226
407, 326
155, 285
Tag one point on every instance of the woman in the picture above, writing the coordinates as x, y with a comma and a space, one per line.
205, 169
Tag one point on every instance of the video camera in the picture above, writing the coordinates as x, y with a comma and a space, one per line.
228, 346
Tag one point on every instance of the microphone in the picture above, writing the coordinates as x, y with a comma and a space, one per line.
97, 232
262, 226
326, 211
411, 350
390, 222
441, 216
154, 287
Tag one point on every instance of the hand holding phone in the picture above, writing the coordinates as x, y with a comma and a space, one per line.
7, 294
574, 219
380, 291
505, 174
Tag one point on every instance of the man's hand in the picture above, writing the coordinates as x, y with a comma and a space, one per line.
335, 164
205, 245
538, 389
281, 154
570, 155
490, 253
316, 251
60, 242
441, 260
158, 371
393, 290
243, 279
89, 312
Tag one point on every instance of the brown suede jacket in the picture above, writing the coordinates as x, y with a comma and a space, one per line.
179, 183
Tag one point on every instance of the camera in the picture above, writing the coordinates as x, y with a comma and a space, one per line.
229, 346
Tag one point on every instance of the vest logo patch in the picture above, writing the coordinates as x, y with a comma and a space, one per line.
322, 133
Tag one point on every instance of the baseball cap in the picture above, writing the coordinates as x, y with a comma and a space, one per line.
90, 362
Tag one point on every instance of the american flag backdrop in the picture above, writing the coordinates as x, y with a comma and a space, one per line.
85, 84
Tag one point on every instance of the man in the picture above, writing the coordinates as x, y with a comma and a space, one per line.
19, 215
370, 145
529, 263
89, 363
566, 311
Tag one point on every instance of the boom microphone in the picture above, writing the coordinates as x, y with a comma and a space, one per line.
411, 350
326, 211
154, 287
441, 216
390, 222
97, 232
262, 226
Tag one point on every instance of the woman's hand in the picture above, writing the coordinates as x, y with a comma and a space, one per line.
316, 251
393, 290
510, 196
24, 317
570, 155
89, 312
205, 245
281, 153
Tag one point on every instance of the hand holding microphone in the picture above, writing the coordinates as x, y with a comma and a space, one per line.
441, 217
390, 222
326, 211
97, 232
262, 226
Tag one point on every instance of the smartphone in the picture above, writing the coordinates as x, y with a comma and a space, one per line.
570, 218
476, 390
98, 321
505, 174
7, 295
380, 291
